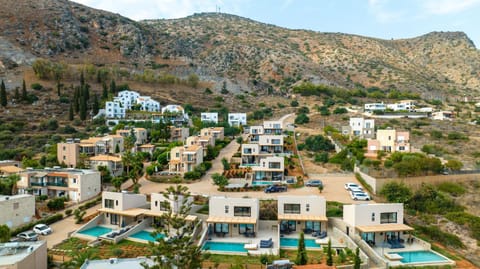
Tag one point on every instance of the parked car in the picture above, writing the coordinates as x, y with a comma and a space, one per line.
275, 188
314, 183
356, 189
42, 229
28, 236
360, 196
352, 185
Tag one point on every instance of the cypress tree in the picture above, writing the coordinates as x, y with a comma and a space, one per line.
24, 91
105, 91
59, 85
113, 87
83, 108
356, 260
95, 106
17, 94
82, 79
302, 258
70, 113
76, 102
86, 92
329, 253
3, 94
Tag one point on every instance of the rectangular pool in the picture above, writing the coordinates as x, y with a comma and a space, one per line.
261, 183
420, 256
147, 236
96, 231
293, 243
224, 246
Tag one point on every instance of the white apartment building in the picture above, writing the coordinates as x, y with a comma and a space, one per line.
237, 119
269, 169
360, 127
255, 133
148, 104
17, 209
233, 216
127, 98
271, 144
209, 117
78, 184
114, 110
174, 114
403, 105
273, 127
375, 107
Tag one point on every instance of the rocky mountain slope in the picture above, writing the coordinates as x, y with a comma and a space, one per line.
250, 54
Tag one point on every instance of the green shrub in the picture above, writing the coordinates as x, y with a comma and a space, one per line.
453, 188
68, 212
36, 86
56, 203
435, 234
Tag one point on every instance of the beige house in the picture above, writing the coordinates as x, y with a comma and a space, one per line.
179, 134
69, 152
375, 223
216, 132
9, 170
78, 184
233, 216
17, 209
198, 140
148, 148
185, 159
302, 213
114, 164
269, 169
23, 255
139, 133
122, 208
389, 140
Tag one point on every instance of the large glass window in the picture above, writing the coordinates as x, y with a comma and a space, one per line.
313, 226
388, 217
242, 211
291, 208
108, 203
221, 227
114, 219
245, 228
288, 226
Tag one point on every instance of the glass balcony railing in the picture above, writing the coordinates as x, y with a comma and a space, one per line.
58, 184
38, 184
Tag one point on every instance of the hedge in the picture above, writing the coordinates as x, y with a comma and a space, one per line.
48, 220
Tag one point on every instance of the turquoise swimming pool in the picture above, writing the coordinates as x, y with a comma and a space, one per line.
96, 231
261, 183
293, 242
145, 235
420, 256
224, 246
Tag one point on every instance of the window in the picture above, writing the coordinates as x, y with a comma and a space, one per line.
164, 206
245, 228
221, 228
226, 209
108, 203
114, 219
156, 203
74, 180
242, 211
276, 141
274, 165
373, 217
116, 202
388, 217
291, 208
313, 226
307, 208
402, 148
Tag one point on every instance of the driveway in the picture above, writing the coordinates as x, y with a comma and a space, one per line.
61, 229
334, 189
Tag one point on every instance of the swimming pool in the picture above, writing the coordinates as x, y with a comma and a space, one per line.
224, 246
293, 242
145, 235
420, 256
96, 231
262, 183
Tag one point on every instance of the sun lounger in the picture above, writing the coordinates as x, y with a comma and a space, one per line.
250, 246
266, 243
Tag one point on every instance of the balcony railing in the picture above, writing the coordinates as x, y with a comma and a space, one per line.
38, 184
58, 184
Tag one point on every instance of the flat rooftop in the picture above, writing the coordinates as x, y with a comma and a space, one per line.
12, 253
61, 170
114, 263
13, 197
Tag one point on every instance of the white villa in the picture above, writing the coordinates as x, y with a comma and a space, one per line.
237, 119
360, 127
209, 117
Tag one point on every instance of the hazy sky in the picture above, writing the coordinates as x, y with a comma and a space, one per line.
376, 18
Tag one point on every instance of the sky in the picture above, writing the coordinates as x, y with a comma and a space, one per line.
385, 19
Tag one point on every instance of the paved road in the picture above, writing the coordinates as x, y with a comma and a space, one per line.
62, 228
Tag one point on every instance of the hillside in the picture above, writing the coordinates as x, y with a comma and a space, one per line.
249, 54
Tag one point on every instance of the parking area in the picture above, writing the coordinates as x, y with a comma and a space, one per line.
333, 187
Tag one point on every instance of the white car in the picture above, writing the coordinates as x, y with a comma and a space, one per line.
28, 236
360, 196
348, 186
42, 229
356, 189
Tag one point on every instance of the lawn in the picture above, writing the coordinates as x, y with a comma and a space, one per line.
124, 249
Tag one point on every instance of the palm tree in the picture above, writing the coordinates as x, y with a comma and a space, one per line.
79, 257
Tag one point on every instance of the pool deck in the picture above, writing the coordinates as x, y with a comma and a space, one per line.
383, 250
261, 235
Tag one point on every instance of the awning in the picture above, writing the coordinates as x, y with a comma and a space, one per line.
391, 227
160, 214
236, 220
299, 217
132, 212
